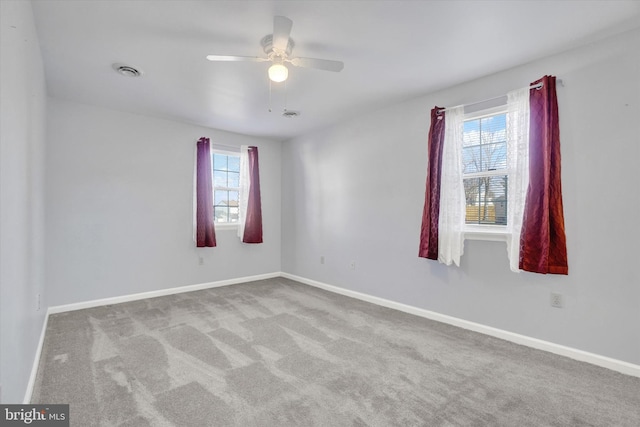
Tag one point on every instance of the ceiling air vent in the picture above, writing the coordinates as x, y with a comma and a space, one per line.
127, 70
290, 114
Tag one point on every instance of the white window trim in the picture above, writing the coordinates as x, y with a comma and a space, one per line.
226, 225
485, 232
226, 151
486, 112
491, 233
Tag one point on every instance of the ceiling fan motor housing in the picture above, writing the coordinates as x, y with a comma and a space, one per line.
267, 46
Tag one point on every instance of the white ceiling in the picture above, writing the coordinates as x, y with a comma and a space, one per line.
392, 50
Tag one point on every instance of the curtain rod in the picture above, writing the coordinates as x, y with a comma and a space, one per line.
535, 86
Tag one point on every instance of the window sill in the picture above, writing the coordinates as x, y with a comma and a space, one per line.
486, 232
225, 226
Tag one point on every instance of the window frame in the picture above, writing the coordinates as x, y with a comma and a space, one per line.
226, 151
486, 232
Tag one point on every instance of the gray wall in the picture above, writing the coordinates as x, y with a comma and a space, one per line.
354, 192
22, 109
120, 206
119, 209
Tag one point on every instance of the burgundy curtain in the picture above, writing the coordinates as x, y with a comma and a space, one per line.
431, 211
205, 232
543, 246
253, 218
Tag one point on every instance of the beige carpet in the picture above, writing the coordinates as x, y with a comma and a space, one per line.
279, 353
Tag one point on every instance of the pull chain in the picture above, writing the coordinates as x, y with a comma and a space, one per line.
285, 95
269, 95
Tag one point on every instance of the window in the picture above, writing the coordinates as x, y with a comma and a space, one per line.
226, 186
490, 178
484, 162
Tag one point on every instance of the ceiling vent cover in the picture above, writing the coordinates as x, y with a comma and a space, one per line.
290, 114
127, 70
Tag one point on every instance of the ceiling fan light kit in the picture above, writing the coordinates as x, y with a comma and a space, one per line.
278, 47
278, 73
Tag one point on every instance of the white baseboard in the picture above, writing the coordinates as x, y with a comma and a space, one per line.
580, 355
36, 362
158, 293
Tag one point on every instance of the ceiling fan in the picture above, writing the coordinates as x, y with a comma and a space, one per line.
278, 47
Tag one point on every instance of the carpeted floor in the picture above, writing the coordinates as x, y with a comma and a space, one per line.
279, 353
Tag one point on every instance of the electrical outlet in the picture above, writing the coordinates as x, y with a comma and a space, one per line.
200, 260
556, 300
38, 302
352, 265
322, 259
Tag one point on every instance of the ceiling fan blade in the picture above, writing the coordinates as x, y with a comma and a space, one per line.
281, 31
235, 58
321, 64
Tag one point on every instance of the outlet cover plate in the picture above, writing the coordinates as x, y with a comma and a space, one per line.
556, 300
